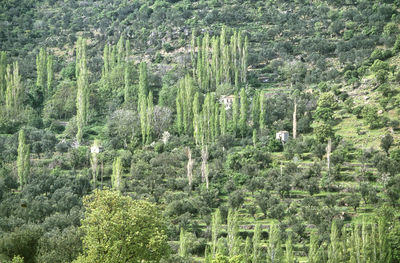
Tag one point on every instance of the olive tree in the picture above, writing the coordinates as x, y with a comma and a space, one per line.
119, 229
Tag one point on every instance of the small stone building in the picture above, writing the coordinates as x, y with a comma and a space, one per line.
227, 101
282, 136
96, 149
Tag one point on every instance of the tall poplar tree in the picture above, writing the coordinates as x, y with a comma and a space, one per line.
143, 117
244, 60
383, 248
179, 112
50, 75
233, 233
41, 62
13, 90
274, 249
106, 61
257, 244
82, 96
149, 117
243, 112
313, 253
192, 52
255, 110
222, 119
262, 111
127, 93
23, 159
334, 245
116, 177
94, 163
215, 230
235, 112
289, 256
143, 79
196, 119
183, 244
3, 74
142, 105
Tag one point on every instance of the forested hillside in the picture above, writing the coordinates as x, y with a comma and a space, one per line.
199, 131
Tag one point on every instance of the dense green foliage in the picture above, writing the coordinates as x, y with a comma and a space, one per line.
176, 105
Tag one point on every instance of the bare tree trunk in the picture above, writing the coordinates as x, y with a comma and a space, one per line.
328, 154
295, 120
102, 173
204, 165
94, 169
94, 162
189, 167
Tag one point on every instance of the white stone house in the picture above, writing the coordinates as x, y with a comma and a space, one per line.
282, 136
227, 101
96, 149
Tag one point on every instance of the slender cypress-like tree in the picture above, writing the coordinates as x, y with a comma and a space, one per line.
94, 163
295, 119
127, 50
143, 117
274, 249
199, 63
106, 61
127, 83
383, 248
142, 105
243, 112
247, 249
313, 253
204, 164
149, 117
215, 230
41, 61
189, 167
183, 244
216, 120
289, 256
121, 51
216, 78
192, 53
255, 110
3, 74
179, 112
82, 96
50, 76
235, 112
257, 244
254, 137
233, 233
13, 91
23, 159
222, 119
196, 119
186, 93
244, 60
116, 177
262, 111
143, 79
334, 245
208, 256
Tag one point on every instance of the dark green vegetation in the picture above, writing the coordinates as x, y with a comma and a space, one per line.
129, 95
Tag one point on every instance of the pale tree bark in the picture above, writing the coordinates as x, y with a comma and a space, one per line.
204, 165
94, 163
328, 154
295, 119
189, 166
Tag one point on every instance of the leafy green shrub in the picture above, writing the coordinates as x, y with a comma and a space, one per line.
370, 115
